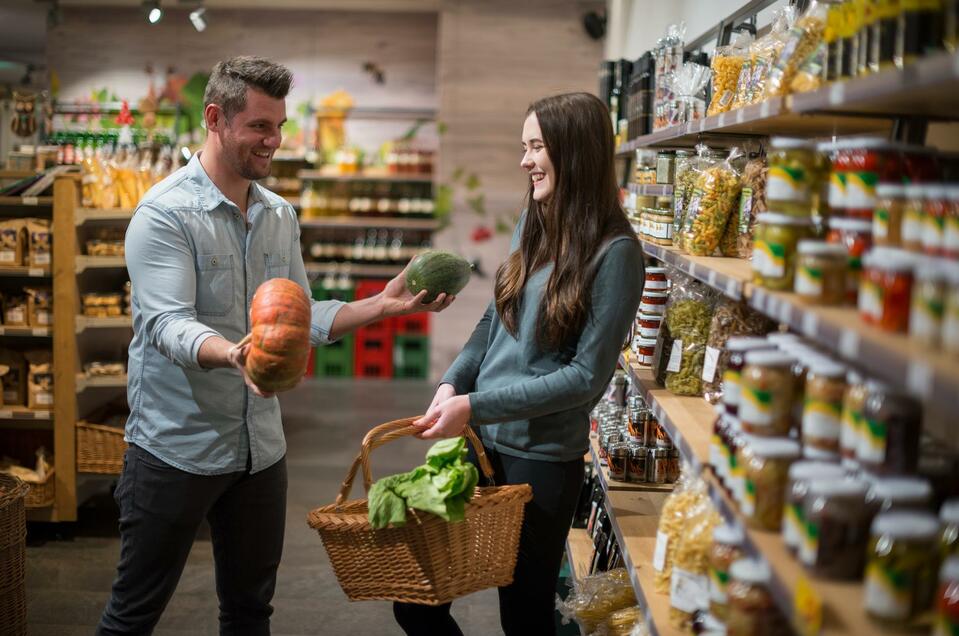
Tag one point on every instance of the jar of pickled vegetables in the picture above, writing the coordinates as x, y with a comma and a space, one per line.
887, 217
821, 272
928, 302
934, 211
885, 291
853, 404
800, 474
856, 236
912, 217
901, 573
752, 610
947, 598
822, 413
774, 250
792, 178
738, 347
837, 525
899, 493
766, 402
726, 549
870, 162
767, 461
889, 444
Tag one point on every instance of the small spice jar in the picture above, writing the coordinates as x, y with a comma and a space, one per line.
837, 525
653, 302
774, 250
657, 465
935, 209
645, 350
912, 213
617, 457
726, 549
636, 463
665, 166
649, 324
889, 444
947, 598
856, 236
890, 494
767, 394
800, 474
752, 611
887, 217
791, 181
822, 410
949, 537
901, 574
655, 279
821, 272
928, 302
853, 405
767, 461
738, 346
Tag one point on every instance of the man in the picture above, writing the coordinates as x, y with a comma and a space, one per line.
205, 441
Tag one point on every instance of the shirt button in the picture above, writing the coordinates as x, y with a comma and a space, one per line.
213, 261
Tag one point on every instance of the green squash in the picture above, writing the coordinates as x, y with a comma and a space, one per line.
438, 272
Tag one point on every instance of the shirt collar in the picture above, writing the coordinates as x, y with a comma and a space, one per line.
209, 196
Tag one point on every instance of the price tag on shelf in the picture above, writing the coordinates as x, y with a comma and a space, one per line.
837, 93
675, 357
35, 271
733, 290
711, 278
41, 415
6, 414
807, 608
764, 110
919, 379
772, 307
722, 120
39, 331
785, 313
810, 324
692, 269
758, 300
31, 201
740, 116
849, 344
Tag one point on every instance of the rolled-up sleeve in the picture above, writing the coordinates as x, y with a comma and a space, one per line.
323, 311
162, 270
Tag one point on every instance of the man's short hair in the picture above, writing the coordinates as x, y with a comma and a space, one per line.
230, 79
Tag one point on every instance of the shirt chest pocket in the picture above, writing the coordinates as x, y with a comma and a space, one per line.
215, 291
277, 265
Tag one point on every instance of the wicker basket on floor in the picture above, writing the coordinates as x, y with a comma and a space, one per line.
13, 532
100, 448
428, 560
41, 495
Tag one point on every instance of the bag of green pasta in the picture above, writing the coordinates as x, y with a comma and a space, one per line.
715, 196
688, 318
664, 340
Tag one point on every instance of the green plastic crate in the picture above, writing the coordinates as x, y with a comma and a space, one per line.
411, 356
335, 360
323, 293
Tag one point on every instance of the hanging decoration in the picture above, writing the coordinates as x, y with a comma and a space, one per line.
24, 122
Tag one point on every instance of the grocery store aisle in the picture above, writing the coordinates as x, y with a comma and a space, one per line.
68, 579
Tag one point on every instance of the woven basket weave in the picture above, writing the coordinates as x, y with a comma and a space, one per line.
100, 448
42, 495
427, 561
13, 532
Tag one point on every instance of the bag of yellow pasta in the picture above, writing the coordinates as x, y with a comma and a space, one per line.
689, 584
596, 597
715, 196
685, 497
801, 41
726, 66
763, 53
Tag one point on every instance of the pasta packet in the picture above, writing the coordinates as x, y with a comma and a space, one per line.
763, 52
686, 496
730, 318
689, 583
801, 40
690, 84
714, 197
737, 239
687, 318
726, 67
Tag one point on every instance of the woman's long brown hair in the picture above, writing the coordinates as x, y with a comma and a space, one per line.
582, 212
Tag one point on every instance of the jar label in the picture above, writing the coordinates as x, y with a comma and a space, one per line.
650, 308
809, 281
737, 477
950, 238
688, 592
786, 183
748, 504
837, 190
851, 423
946, 626
950, 328
933, 233
925, 319
872, 444
870, 300
755, 407
809, 544
912, 224
675, 357
709, 364
880, 223
861, 190
659, 554
648, 332
821, 419
731, 387
769, 259
717, 585
888, 591
792, 523
655, 285
646, 359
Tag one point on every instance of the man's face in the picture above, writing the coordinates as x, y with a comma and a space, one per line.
251, 137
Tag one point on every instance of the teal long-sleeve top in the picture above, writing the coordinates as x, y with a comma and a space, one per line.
535, 403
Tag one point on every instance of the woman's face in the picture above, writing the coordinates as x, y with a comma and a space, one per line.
536, 161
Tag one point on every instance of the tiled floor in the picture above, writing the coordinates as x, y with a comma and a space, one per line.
68, 578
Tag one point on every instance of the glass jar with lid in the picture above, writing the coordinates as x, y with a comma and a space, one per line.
821, 272
950, 315
949, 537
726, 549
774, 250
636, 462
934, 212
947, 598
889, 444
738, 347
888, 494
804, 356
767, 461
856, 236
853, 405
885, 292
837, 526
901, 572
655, 279
792, 177
887, 217
767, 396
665, 166
653, 302
657, 465
617, 457
913, 211
871, 161
928, 302
645, 172
799, 476
752, 610
822, 410
645, 350
649, 324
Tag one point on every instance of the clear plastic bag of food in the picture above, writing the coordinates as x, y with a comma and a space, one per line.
688, 319
684, 182
690, 85
730, 318
622, 622
664, 339
686, 495
596, 597
726, 65
689, 583
763, 53
714, 197
801, 40
811, 73
738, 237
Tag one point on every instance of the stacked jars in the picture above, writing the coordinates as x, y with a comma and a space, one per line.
649, 319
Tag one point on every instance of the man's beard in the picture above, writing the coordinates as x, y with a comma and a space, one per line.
245, 170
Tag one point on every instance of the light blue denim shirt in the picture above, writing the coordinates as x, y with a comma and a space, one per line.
194, 265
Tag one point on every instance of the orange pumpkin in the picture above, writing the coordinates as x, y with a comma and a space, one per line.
280, 338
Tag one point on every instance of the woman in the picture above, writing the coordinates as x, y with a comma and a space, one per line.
545, 349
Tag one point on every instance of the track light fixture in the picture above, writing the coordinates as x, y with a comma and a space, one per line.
153, 11
198, 18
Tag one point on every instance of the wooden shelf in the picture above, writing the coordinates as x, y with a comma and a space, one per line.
373, 271
23, 413
26, 332
650, 189
82, 215
100, 382
100, 262
26, 201
602, 471
325, 174
17, 174
87, 322
387, 222
25, 271
579, 553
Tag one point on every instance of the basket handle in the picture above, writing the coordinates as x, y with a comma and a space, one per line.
389, 432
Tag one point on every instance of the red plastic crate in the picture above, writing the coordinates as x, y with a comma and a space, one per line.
373, 355
371, 287
309, 365
413, 324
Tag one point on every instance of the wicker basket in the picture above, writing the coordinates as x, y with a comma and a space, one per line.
427, 561
100, 448
41, 495
13, 532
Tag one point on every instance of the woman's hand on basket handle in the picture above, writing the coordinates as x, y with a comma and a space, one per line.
446, 419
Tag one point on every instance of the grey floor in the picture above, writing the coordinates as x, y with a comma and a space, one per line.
69, 576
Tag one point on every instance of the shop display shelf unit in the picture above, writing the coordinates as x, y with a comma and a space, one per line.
579, 552
360, 222
650, 189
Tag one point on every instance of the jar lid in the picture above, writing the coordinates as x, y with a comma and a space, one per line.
868, 143
846, 487
877, 386
930, 269
934, 191
778, 218
791, 142
806, 469
655, 270
655, 294
774, 447
906, 525
653, 317
826, 367
901, 488
750, 571
847, 224
915, 190
952, 190
746, 343
820, 455
779, 337
769, 358
949, 513
809, 247
891, 190
949, 570
854, 377
951, 269
647, 342
728, 534
890, 259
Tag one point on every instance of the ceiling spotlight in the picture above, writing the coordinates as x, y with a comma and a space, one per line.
198, 18
153, 11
